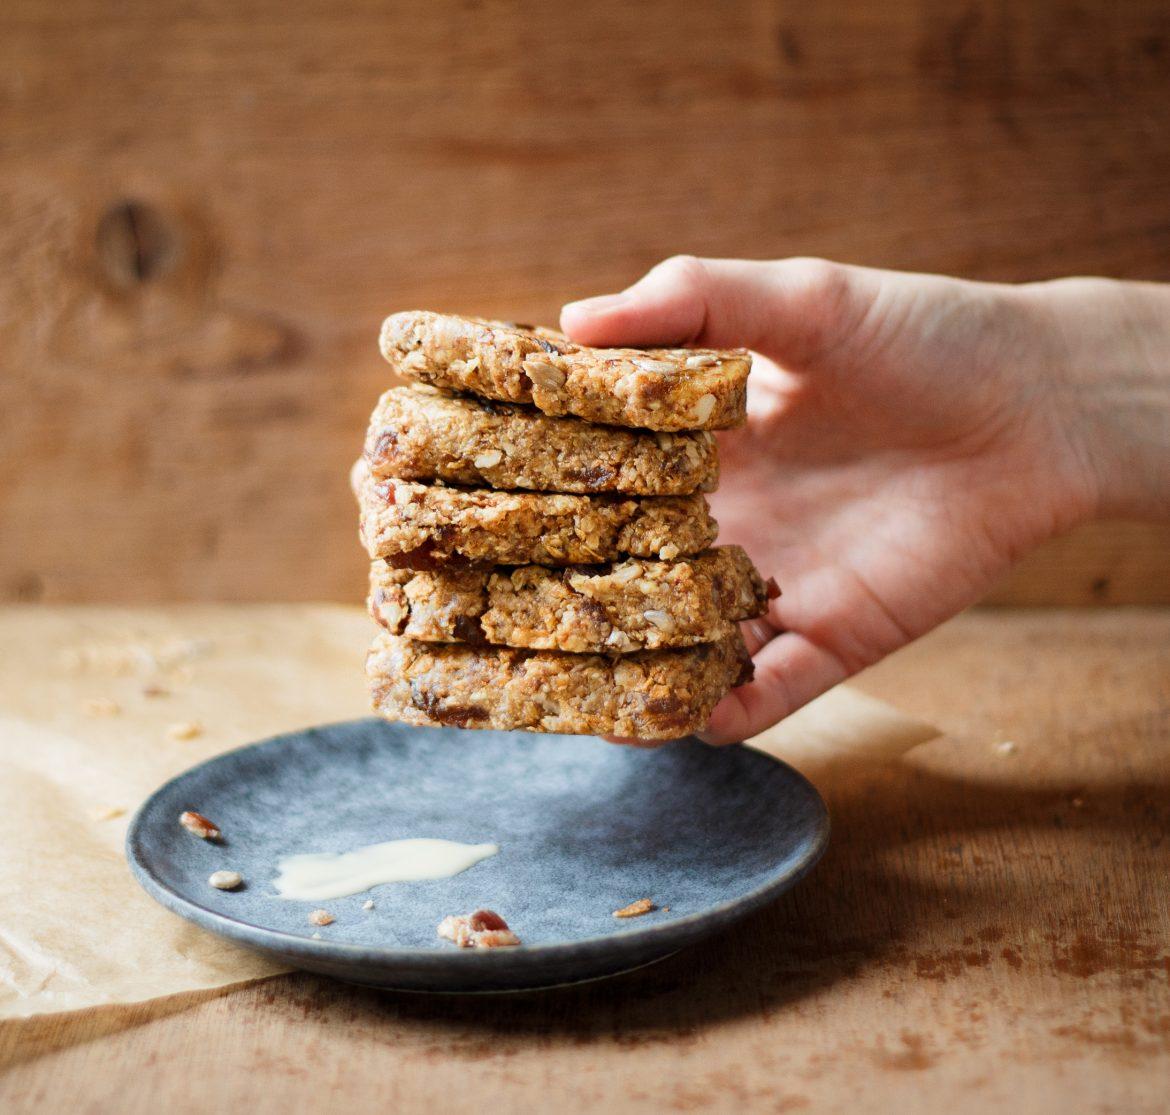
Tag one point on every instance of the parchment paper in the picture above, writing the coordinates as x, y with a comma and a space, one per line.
100, 706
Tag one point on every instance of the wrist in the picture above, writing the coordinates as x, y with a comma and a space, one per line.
1107, 359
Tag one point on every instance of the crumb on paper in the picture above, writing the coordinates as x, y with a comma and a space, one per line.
635, 909
133, 656
155, 691
185, 729
225, 880
108, 813
199, 825
368, 904
483, 929
321, 917
101, 706
1006, 747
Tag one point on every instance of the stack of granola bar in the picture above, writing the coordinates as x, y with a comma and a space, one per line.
541, 545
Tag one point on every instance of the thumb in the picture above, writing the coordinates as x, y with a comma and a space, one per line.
787, 309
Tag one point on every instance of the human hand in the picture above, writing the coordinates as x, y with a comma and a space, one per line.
908, 438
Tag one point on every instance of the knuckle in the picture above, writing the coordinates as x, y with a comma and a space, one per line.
686, 270
819, 280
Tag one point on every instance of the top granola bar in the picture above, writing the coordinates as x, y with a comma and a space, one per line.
654, 389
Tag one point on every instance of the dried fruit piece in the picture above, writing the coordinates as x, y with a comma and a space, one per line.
635, 909
485, 919
225, 880
321, 917
199, 825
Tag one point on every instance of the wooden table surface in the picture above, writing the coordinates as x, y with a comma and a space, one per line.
989, 930
206, 209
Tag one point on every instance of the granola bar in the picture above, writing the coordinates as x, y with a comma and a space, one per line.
418, 524
613, 609
661, 694
655, 389
421, 434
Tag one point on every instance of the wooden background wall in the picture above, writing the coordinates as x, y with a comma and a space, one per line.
206, 208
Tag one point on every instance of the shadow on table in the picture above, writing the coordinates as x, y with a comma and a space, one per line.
922, 874
25, 1039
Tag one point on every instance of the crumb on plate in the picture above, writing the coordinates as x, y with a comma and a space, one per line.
635, 909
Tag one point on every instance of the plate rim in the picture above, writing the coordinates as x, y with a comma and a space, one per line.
292, 944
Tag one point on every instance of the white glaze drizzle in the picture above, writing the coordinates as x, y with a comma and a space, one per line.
320, 875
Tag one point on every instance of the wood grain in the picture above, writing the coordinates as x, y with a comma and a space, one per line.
988, 931
206, 209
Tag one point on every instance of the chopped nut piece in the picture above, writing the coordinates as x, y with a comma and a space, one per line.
455, 928
549, 376
484, 929
652, 365
102, 706
659, 619
703, 408
199, 825
496, 938
488, 459
321, 917
185, 729
635, 909
225, 880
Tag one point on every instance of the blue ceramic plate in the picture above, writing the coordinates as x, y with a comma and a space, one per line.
584, 827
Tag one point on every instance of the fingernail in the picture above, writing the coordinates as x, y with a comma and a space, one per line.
602, 304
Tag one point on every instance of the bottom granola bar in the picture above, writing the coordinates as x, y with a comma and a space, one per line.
651, 695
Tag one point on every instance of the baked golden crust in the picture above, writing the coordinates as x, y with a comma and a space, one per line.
419, 433
654, 389
618, 608
652, 695
418, 524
